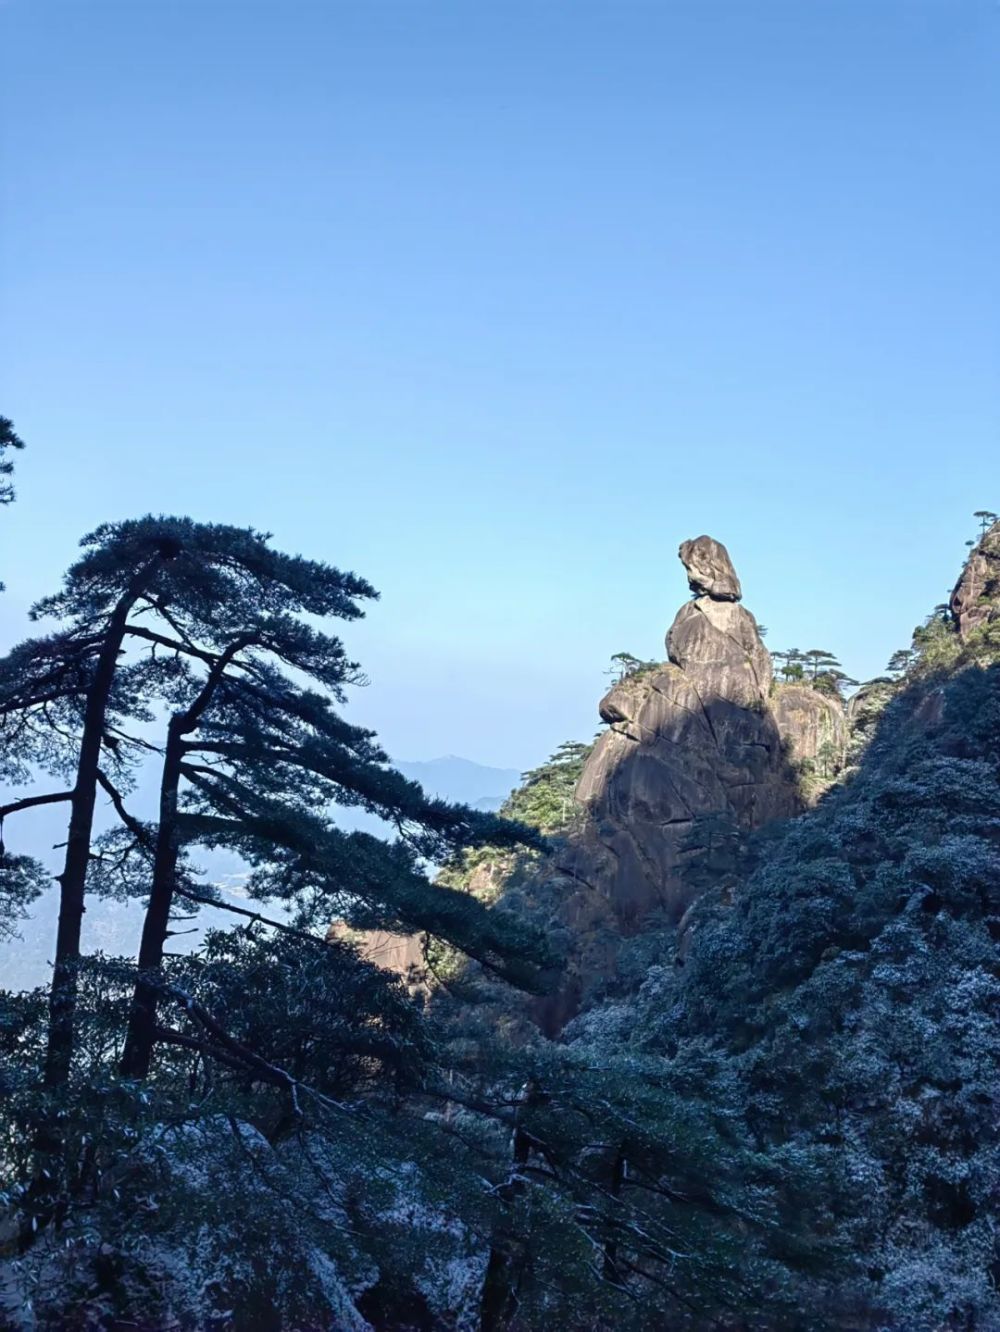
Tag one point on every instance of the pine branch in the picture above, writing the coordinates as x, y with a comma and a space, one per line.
192, 896
184, 648
266, 1071
138, 831
28, 802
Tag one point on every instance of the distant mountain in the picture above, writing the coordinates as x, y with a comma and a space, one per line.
113, 927
454, 778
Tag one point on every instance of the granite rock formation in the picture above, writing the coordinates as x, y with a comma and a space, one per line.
813, 725
709, 569
976, 598
691, 740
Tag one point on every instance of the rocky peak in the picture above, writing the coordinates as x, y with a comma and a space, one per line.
714, 639
709, 569
976, 598
690, 745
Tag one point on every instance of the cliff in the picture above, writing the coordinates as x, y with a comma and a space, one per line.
975, 601
815, 728
834, 999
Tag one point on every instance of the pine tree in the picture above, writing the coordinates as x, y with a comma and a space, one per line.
8, 440
208, 622
793, 668
225, 607
255, 763
545, 799
901, 661
820, 659
624, 664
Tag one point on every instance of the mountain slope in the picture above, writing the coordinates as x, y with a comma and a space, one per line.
838, 1004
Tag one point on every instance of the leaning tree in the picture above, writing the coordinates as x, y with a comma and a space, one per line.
196, 647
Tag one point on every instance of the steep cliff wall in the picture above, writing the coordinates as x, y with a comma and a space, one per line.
976, 598
815, 729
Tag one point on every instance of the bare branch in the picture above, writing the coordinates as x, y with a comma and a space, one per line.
251, 916
28, 802
137, 830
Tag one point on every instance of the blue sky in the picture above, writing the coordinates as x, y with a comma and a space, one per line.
495, 303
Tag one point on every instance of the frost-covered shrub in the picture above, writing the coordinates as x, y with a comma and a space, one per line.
843, 1010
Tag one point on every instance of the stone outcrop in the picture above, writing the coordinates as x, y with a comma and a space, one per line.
976, 598
401, 953
710, 570
813, 725
691, 741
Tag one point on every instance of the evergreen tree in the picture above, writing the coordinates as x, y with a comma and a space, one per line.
151, 581
625, 664
834, 681
792, 667
9, 440
901, 661
249, 764
208, 621
820, 659
545, 799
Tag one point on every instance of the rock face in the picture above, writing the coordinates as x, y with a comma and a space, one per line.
401, 953
976, 598
694, 740
709, 569
814, 726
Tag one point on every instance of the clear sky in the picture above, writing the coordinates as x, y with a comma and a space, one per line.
496, 302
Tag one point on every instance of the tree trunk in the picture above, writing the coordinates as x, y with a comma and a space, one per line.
498, 1302
611, 1272
73, 880
41, 1201
141, 1034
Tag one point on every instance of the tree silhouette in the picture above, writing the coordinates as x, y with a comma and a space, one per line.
8, 440
820, 659
901, 661
624, 664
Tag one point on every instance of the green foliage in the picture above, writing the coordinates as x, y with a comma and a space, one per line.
936, 644
545, 799
816, 668
624, 665
9, 440
22, 879
986, 520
